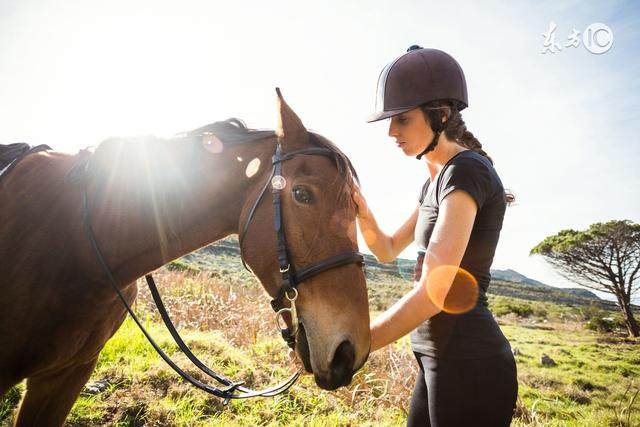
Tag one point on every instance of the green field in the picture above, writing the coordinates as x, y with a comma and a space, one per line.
226, 320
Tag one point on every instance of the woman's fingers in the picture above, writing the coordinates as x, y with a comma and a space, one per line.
359, 201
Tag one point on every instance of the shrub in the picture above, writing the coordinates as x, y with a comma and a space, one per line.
540, 312
591, 311
180, 265
502, 308
604, 324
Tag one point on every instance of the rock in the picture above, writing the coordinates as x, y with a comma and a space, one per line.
547, 361
96, 387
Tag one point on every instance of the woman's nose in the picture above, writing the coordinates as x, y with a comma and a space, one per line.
393, 129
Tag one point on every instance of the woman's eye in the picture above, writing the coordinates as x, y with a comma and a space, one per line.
302, 195
402, 120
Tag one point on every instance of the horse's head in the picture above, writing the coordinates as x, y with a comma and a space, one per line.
165, 198
318, 218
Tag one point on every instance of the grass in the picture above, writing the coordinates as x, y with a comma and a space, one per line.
143, 390
226, 320
587, 386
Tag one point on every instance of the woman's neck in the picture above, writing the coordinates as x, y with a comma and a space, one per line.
444, 151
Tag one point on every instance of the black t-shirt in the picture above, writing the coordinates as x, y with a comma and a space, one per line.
474, 334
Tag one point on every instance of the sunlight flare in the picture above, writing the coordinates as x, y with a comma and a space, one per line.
459, 297
252, 168
212, 144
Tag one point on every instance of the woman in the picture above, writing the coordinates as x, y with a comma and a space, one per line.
467, 373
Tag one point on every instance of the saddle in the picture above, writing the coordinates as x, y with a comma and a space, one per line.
11, 154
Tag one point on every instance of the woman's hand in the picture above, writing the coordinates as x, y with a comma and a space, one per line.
361, 204
386, 248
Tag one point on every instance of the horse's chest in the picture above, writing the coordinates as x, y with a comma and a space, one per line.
65, 334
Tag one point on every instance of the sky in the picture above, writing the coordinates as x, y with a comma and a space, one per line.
561, 127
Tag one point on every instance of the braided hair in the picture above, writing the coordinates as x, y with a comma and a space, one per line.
455, 129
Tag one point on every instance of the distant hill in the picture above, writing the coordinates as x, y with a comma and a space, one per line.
225, 255
503, 282
515, 277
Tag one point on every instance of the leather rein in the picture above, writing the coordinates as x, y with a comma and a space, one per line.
291, 279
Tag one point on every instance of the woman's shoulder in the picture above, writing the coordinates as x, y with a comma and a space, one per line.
469, 162
471, 158
472, 172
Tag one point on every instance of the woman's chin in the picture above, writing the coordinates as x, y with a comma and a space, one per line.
407, 152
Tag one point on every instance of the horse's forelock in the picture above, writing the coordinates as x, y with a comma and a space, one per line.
344, 165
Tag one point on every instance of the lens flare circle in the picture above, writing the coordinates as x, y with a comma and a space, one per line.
458, 298
252, 168
212, 144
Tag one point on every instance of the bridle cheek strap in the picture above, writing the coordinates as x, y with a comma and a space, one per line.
290, 277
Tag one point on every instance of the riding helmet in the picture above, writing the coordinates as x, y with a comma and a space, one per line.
417, 77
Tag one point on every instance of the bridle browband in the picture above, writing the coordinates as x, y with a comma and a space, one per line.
290, 280
291, 277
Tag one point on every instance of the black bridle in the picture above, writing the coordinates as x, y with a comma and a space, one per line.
291, 277
290, 280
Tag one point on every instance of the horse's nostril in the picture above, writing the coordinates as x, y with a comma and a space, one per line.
343, 361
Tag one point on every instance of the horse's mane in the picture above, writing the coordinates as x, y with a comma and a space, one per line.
235, 131
230, 131
344, 165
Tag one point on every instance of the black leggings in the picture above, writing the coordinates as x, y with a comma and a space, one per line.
469, 392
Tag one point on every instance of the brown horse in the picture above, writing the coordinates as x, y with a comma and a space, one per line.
150, 202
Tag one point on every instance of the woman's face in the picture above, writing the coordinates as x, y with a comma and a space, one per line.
411, 132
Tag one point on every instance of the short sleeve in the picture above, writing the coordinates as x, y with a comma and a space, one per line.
423, 192
470, 175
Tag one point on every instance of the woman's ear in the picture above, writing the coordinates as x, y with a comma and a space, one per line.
446, 113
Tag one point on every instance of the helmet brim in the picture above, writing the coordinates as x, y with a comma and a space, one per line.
381, 115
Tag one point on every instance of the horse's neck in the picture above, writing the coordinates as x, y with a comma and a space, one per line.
147, 226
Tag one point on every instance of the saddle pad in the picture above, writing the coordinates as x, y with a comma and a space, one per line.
11, 154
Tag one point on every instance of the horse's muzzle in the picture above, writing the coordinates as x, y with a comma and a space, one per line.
341, 368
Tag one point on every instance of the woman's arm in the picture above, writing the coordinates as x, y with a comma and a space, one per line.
446, 248
385, 248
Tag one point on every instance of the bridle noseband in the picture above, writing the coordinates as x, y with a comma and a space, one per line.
291, 277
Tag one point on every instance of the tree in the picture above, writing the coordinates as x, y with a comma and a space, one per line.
606, 257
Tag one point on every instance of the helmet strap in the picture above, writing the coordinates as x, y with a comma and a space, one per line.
434, 141
430, 147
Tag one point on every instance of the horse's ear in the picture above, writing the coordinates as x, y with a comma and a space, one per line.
290, 131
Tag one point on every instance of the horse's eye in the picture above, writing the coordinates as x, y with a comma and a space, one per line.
302, 195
